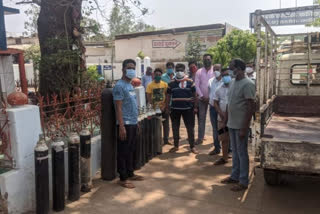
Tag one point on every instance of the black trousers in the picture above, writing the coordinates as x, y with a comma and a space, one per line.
125, 152
165, 125
188, 119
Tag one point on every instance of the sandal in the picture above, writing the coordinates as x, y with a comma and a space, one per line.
238, 188
221, 161
214, 152
229, 180
174, 149
126, 184
136, 178
194, 151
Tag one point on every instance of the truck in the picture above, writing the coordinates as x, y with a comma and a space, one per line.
287, 120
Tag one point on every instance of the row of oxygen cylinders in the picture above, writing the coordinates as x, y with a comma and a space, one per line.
79, 170
149, 136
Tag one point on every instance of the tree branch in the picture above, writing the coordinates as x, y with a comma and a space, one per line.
37, 2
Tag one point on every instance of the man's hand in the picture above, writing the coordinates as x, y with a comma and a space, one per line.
122, 133
195, 110
243, 133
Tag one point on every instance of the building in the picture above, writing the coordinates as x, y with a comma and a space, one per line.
165, 45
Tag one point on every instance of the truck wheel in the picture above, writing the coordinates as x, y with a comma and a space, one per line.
271, 177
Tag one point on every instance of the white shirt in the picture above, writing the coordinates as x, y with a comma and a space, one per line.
221, 95
213, 84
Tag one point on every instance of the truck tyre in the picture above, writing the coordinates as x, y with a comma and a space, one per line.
271, 177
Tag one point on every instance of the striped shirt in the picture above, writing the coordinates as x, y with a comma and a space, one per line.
182, 94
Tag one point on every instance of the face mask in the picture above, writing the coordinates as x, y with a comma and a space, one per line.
131, 73
226, 79
249, 70
193, 69
218, 73
170, 71
157, 78
179, 74
207, 63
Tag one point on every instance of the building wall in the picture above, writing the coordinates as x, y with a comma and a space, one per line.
151, 45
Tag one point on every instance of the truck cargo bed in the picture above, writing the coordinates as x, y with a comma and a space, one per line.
306, 129
292, 144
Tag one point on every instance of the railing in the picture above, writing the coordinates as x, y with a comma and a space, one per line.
6, 160
70, 112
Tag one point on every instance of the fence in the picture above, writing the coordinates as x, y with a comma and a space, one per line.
71, 112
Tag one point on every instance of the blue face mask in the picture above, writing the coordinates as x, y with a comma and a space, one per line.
226, 79
170, 71
131, 73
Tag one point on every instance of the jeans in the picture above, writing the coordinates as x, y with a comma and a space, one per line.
203, 108
188, 118
214, 123
165, 125
240, 157
125, 152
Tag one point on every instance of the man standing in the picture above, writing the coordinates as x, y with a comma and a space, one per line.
168, 76
147, 78
213, 84
182, 93
192, 70
220, 104
156, 94
127, 118
240, 109
202, 78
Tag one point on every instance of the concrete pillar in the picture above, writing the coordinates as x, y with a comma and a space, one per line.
19, 183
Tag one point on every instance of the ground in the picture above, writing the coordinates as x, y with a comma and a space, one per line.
184, 183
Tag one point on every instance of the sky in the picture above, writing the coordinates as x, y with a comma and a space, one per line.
183, 13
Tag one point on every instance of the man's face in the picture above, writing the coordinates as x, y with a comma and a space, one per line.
233, 68
170, 67
129, 66
217, 68
207, 61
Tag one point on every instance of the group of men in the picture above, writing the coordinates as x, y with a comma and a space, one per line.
228, 93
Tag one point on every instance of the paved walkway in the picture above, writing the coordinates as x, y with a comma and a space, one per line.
184, 183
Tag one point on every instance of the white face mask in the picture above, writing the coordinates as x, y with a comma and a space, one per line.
180, 75
249, 70
218, 73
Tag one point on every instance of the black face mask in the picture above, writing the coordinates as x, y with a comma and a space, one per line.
207, 62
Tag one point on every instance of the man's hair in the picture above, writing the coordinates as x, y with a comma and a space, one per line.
149, 68
239, 63
180, 65
192, 62
169, 64
127, 61
207, 54
224, 70
158, 70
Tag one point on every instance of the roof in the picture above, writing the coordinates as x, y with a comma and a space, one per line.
171, 31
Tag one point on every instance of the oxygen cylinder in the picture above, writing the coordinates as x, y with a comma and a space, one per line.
138, 67
85, 151
137, 155
58, 178
159, 130
41, 159
143, 138
74, 167
149, 135
154, 134
108, 136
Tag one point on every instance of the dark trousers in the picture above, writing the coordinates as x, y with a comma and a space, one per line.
125, 151
165, 125
188, 119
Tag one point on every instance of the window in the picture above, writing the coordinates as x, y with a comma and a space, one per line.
299, 74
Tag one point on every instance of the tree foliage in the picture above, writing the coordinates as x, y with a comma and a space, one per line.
122, 20
237, 44
193, 48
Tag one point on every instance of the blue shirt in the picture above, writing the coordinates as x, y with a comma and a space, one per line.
166, 78
124, 91
146, 80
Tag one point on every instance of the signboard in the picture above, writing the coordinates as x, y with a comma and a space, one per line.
289, 16
107, 67
165, 43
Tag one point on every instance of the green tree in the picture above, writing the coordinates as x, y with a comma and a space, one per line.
193, 48
237, 44
92, 30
